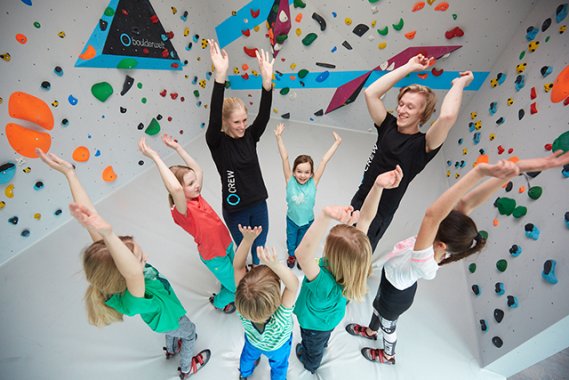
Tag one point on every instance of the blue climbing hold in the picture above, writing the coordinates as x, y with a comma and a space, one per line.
548, 273
471, 127
531, 231
72, 100
493, 108
560, 12
565, 171
7, 172
513, 302
323, 76
520, 82
476, 138
499, 288
531, 32
501, 78
515, 250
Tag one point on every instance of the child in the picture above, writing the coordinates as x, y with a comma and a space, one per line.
191, 212
341, 273
300, 191
265, 313
120, 281
446, 235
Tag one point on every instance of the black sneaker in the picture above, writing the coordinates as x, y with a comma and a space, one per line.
290, 261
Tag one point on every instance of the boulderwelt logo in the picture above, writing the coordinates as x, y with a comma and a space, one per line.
128, 41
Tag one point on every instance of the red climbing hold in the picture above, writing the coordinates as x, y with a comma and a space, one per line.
533, 108
418, 6
245, 76
436, 72
442, 7
548, 147
533, 93
454, 32
173, 95
163, 93
255, 13
250, 51
500, 149
246, 32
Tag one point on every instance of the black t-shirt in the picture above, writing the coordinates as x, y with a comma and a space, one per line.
236, 159
393, 148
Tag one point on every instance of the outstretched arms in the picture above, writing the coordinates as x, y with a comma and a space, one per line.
283, 152
378, 88
327, 156
130, 264
269, 257
438, 132
266, 68
240, 260
220, 61
78, 192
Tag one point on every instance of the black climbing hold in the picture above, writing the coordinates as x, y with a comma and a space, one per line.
497, 341
499, 288
567, 216
141, 162
509, 186
360, 30
128, 82
103, 25
58, 212
483, 326
347, 45
123, 110
528, 227
13, 220
533, 174
45, 85
140, 126
58, 70
25, 233
65, 122
521, 114
546, 24
286, 115
512, 302
320, 20
326, 65
6, 166
320, 112
158, 117
476, 289
498, 315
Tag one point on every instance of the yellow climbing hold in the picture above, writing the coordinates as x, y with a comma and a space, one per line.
292, 66
373, 23
298, 32
37, 216
186, 31
9, 191
348, 21
382, 45
256, 29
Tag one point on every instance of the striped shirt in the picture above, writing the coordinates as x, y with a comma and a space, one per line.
277, 330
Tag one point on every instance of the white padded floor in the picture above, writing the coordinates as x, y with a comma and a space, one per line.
45, 334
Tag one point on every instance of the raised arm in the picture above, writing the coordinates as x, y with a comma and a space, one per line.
240, 260
220, 61
449, 199
266, 63
438, 132
129, 264
189, 160
269, 257
78, 192
306, 250
283, 152
378, 88
327, 156
170, 181
387, 180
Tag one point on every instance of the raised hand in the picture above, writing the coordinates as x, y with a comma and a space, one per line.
268, 256
343, 214
250, 232
556, 159
90, 219
145, 149
464, 79
502, 169
337, 138
55, 162
170, 141
391, 179
420, 62
219, 58
279, 129
266, 63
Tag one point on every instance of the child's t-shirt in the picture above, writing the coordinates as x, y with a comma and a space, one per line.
276, 333
404, 266
202, 222
300, 201
320, 305
160, 308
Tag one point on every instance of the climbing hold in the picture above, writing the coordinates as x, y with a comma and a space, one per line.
399, 25
548, 273
320, 112
25, 233
127, 63
515, 250
545, 71
383, 31
533, 93
498, 315
566, 218
72, 100
519, 212
512, 302
153, 128
497, 341
418, 6
21, 38
561, 142
347, 45
436, 72
410, 35
500, 121
13, 220
501, 77
109, 174
38, 185
533, 108
472, 267
81, 154
441, 7
476, 290
284, 90
531, 32
531, 231
320, 20
37, 216
535, 192
521, 114
127, 84
251, 52
561, 12
102, 91
299, 4
45, 85
7, 172
286, 116
323, 76
483, 325
502, 265
302, 73
454, 32
499, 288
509, 186
309, 39
360, 30
493, 108
532, 46
505, 205
520, 82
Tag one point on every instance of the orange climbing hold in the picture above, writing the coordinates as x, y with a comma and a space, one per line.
109, 174
27, 107
89, 53
21, 38
25, 141
560, 90
245, 67
81, 154
482, 159
418, 6
298, 17
513, 159
495, 222
522, 189
410, 35
423, 76
442, 6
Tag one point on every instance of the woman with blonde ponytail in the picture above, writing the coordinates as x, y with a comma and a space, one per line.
447, 234
121, 282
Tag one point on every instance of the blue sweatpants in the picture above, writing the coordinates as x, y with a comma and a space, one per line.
278, 359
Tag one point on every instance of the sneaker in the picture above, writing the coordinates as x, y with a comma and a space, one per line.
198, 362
170, 355
298, 351
358, 330
290, 261
229, 308
377, 355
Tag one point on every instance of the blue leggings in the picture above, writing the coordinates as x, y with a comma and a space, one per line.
278, 359
294, 234
252, 216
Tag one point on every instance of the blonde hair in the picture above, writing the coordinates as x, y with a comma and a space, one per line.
430, 99
179, 172
258, 294
229, 106
104, 280
348, 252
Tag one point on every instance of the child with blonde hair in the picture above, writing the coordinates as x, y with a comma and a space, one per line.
301, 184
191, 212
342, 272
121, 282
265, 312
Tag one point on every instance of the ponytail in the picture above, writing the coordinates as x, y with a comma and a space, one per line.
459, 232
98, 313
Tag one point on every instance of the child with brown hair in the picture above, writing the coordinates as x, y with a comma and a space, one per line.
301, 184
342, 272
121, 282
191, 212
265, 312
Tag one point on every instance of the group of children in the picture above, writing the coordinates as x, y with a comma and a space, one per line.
121, 282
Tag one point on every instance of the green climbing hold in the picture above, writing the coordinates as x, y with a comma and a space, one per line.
284, 90
143, 100
139, 85
472, 268
522, 55
383, 31
309, 39
102, 90
109, 12
373, 1
281, 38
505, 205
535, 192
153, 128
547, 39
37, 25
299, 4
399, 25
127, 63
502, 265
520, 211
302, 73
484, 234
561, 143
454, 16
196, 93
